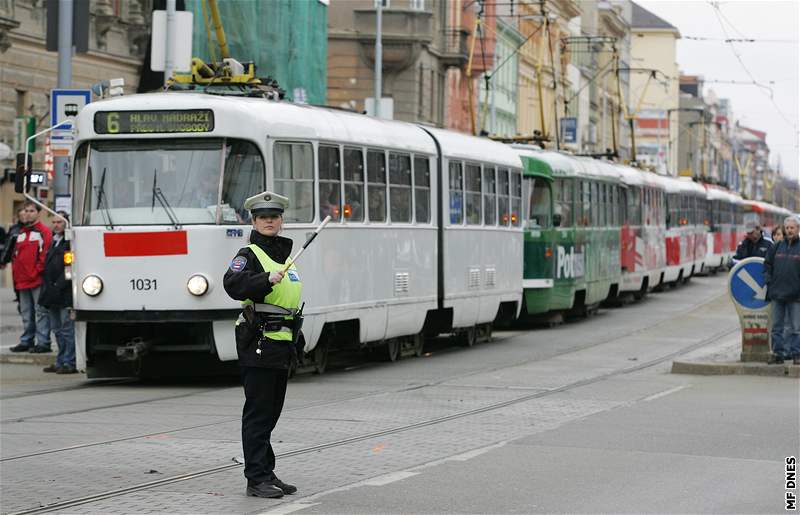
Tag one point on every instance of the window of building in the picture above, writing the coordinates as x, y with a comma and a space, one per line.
376, 185
353, 209
489, 196
456, 186
502, 196
399, 188
330, 183
422, 189
294, 179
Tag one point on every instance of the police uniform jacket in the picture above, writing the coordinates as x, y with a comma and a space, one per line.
249, 281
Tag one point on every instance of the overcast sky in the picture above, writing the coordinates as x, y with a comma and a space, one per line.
775, 64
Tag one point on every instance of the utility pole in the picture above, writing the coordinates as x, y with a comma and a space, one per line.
61, 164
169, 65
378, 56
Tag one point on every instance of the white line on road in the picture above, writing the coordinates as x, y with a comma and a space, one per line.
388, 478
665, 393
291, 507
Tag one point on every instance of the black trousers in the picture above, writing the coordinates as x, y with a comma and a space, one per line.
264, 392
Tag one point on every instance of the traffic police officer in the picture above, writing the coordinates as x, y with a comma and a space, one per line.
266, 332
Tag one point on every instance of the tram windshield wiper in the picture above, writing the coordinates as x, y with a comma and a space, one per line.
159, 195
102, 199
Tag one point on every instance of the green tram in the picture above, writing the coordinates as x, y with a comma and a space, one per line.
572, 234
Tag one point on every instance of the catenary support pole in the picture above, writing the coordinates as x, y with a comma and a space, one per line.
61, 164
169, 65
378, 56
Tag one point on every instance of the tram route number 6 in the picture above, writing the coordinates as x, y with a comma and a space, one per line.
143, 284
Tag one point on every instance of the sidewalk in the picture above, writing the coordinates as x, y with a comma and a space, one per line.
10, 331
722, 358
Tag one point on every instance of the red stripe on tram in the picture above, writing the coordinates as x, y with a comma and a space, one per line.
128, 244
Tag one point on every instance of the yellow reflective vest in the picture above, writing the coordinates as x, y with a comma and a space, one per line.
285, 294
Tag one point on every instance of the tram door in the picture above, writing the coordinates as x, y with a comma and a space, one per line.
540, 239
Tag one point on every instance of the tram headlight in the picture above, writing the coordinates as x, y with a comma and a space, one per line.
92, 285
197, 285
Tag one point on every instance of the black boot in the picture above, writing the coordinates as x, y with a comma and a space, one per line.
264, 489
287, 488
775, 360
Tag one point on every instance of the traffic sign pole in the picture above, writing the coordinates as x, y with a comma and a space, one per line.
748, 291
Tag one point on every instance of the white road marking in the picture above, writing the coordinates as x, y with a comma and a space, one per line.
665, 393
388, 478
291, 507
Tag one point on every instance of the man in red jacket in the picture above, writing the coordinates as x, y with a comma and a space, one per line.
27, 266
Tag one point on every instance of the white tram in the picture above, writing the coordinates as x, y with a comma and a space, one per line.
425, 238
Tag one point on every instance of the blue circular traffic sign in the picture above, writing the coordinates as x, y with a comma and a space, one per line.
747, 285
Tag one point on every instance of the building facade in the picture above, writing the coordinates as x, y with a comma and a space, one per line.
653, 99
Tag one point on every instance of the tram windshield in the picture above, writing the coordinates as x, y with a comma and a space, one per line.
166, 182
538, 202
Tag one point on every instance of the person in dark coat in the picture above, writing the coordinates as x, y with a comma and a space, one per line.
782, 275
755, 244
265, 336
56, 299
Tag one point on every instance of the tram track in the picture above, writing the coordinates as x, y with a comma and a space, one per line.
313, 405
108, 494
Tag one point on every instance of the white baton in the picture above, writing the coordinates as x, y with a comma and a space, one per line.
307, 243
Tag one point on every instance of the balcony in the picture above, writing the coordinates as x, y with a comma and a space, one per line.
403, 32
455, 52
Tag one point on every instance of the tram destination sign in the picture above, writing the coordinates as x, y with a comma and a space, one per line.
145, 122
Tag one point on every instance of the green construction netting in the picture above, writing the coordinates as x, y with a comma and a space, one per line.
287, 40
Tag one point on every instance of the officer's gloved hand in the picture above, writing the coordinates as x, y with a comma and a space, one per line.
275, 277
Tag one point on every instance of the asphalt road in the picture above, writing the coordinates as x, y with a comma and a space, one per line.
582, 418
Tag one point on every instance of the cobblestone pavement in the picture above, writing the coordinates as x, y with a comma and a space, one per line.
353, 426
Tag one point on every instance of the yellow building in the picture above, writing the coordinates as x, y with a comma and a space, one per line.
538, 66
654, 90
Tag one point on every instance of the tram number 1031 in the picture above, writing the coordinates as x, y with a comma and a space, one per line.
143, 284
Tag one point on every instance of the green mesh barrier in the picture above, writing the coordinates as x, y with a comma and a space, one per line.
286, 39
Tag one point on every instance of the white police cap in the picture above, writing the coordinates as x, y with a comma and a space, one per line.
266, 203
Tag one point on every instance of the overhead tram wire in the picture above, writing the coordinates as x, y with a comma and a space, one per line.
720, 16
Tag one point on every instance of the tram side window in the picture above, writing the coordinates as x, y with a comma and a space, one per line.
294, 178
489, 196
502, 196
516, 198
422, 189
330, 202
399, 188
594, 201
472, 193
563, 205
456, 186
353, 208
615, 206
586, 204
539, 206
672, 211
376, 185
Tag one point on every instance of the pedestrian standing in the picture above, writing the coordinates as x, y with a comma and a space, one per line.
755, 244
777, 234
56, 299
27, 266
8, 248
782, 275
266, 334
